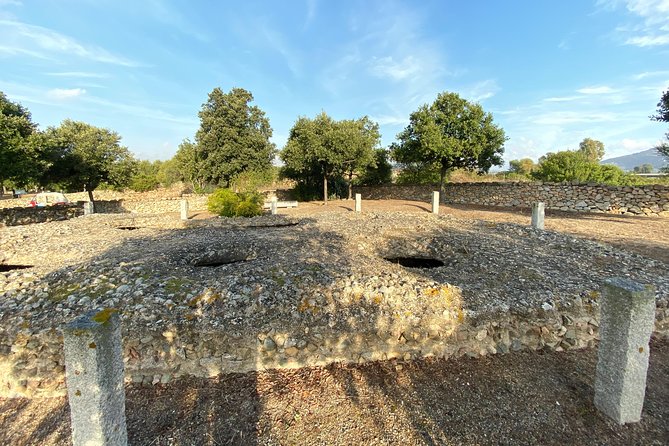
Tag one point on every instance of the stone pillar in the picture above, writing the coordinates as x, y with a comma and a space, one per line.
538, 215
88, 208
627, 319
358, 203
94, 377
435, 202
273, 206
184, 209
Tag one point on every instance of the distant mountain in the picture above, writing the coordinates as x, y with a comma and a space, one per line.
629, 162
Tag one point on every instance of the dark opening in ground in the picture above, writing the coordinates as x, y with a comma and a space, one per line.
4, 268
127, 228
416, 262
223, 259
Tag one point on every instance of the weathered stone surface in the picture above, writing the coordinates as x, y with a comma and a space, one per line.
94, 373
627, 319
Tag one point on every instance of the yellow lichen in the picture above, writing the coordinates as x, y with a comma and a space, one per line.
103, 316
92, 345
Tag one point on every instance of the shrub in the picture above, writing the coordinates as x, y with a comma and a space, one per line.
223, 202
226, 203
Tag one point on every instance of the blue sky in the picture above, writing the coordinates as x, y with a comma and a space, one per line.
552, 73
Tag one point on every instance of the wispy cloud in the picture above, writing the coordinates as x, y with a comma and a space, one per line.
78, 74
483, 90
167, 14
602, 89
10, 3
573, 117
647, 74
312, 7
562, 98
652, 21
387, 67
37, 41
65, 93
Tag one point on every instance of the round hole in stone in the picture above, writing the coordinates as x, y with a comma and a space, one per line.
416, 262
219, 259
4, 268
127, 228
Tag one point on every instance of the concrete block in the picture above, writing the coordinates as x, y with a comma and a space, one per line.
358, 203
435, 202
88, 208
626, 323
184, 209
273, 206
94, 377
538, 210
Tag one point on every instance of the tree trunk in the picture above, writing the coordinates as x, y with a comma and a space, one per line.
90, 194
442, 177
350, 185
325, 189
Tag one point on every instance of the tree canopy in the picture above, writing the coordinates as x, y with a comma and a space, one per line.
523, 166
233, 138
571, 165
321, 148
451, 133
663, 116
16, 154
592, 149
84, 156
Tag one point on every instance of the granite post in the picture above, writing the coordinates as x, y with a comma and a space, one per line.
88, 208
627, 319
358, 203
184, 209
273, 206
94, 377
538, 210
435, 202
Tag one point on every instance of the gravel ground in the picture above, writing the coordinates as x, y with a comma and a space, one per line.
523, 398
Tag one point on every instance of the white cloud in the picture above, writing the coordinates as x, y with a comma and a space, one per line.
65, 93
18, 37
596, 90
391, 120
387, 67
312, 6
573, 117
562, 98
78, 74
10, 3
483, 90
652, 28
647, 74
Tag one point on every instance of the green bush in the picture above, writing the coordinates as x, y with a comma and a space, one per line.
223, 202
226, 203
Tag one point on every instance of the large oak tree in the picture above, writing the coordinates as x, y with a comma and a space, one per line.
451, 133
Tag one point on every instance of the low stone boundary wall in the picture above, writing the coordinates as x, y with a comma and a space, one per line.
577, 197
32, 364
28, 215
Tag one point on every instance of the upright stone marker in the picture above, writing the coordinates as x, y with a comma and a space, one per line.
538, 215
94, 377
627, 318
435, 202
273, 206
358, 203
88, 207
184, 209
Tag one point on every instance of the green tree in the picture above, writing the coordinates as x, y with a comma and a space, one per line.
663, 116
571, 165
644, 168
187, 163
523, 166
18, 161
381, 172
592, 149
82, 155
451, 133
145, 176
169, 173
357, 138
233, 137
314, 150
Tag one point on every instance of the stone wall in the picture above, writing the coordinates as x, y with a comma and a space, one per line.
28, 215
635, 200
31, 364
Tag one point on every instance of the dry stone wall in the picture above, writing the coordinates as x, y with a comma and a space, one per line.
32, 364
650, 200
28, 215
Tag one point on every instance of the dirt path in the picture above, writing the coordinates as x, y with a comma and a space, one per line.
523, 398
